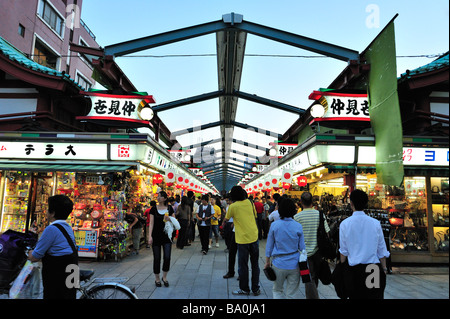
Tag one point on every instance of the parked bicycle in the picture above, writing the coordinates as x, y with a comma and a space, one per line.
14, 247
104, 288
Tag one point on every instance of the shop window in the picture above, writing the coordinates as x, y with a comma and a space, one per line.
81, 80
15, 201
51, 17
26, 201
44, 56
402, 211
440, 208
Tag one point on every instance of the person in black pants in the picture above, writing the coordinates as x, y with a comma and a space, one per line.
159, 239
204, 214
184, 216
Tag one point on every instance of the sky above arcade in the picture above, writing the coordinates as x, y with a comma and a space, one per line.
271, 69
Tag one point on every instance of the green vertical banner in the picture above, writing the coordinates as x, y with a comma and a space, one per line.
384, 108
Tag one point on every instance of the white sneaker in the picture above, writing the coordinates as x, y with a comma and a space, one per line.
217, 245
209, 246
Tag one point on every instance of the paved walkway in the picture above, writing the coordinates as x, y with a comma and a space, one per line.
197, 276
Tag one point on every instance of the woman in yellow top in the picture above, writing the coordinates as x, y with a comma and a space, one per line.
214, 222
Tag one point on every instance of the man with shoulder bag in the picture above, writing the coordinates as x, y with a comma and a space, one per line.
309, 218
204, 215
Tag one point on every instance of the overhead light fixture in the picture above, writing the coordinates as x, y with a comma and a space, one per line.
317, 110
272, 151
146, 113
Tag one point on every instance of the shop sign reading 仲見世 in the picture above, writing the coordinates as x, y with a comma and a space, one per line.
128, 108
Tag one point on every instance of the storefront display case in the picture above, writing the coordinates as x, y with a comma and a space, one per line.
414, 217
407, 211
440, 209
15, 201
42, 189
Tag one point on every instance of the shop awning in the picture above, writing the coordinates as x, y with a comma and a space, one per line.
45, 167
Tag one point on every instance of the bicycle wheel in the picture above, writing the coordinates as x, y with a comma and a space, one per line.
110, 291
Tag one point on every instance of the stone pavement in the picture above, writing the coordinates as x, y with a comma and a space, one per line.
194, 276
197, 276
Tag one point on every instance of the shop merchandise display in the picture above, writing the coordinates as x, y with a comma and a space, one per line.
26, 192
15, 207
97, 218
404, 212
440, 206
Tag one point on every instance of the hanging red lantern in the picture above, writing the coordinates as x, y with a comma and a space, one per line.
157, 179
286, 185
302, 181
169, 184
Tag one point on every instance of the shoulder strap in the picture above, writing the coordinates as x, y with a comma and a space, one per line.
69, 240
253, 207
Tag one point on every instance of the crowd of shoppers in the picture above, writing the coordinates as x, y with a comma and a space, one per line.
291, 230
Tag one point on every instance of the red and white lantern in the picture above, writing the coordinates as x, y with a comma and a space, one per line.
287, 175
180, 179
170, 176
274, 181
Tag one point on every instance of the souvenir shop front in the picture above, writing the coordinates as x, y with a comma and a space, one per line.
414, 216
105, 175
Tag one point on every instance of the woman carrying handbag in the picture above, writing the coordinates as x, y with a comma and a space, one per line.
284, 243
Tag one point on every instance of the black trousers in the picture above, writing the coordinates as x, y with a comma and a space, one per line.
182, 234
204, 236
314, 267
365, 281
244, 252
167, 250
232, 251
54, 276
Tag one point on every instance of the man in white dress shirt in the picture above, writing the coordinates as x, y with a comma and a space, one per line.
362, 243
